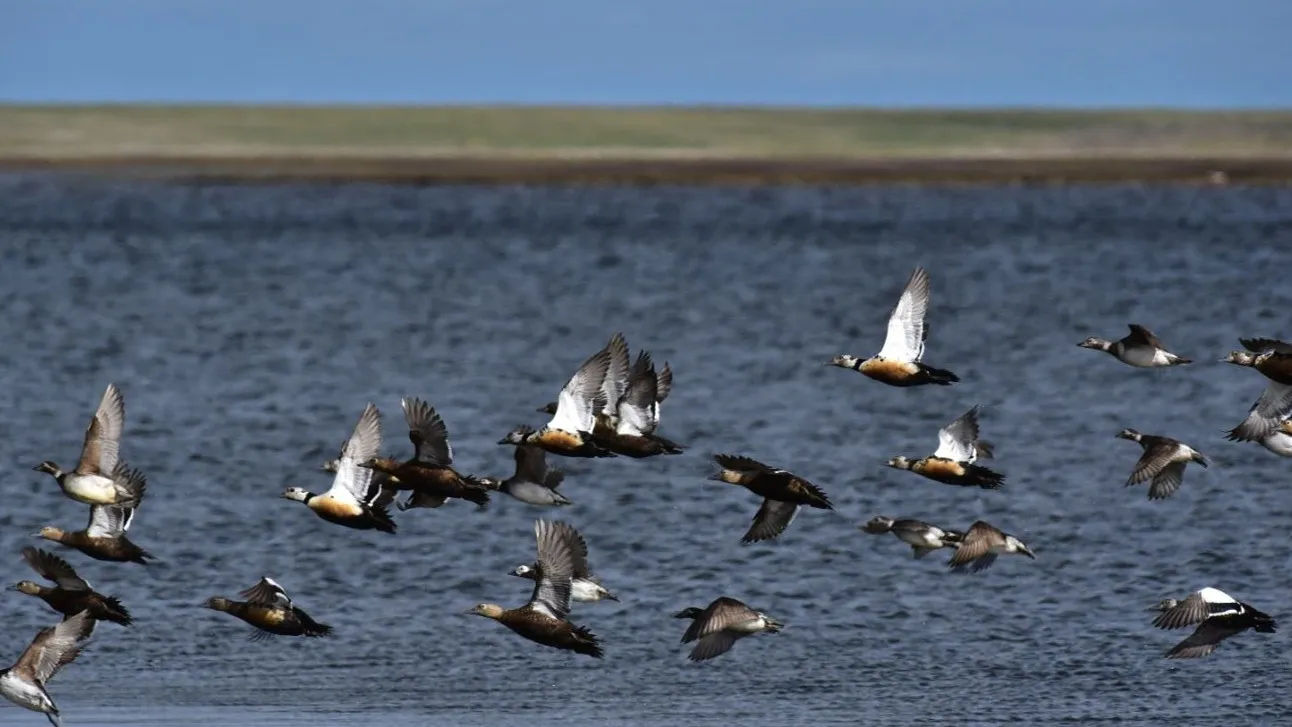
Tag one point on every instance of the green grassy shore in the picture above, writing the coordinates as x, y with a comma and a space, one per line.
432, 145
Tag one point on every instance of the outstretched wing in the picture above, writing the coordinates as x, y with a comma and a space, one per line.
906, 329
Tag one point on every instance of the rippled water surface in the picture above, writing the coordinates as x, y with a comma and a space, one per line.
248, 326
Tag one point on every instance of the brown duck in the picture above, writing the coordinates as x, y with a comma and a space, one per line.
71, 594
1268, 356
271, 611
543, 619
97, 478
782, 492
429, 473
104, 538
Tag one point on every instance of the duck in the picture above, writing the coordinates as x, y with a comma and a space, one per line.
953, 461
606, 419
1218, 616
71, 593
921, 536
429, 473
353, 500
270, 610
1266, 416
97, 479
636, 417
1140, 349
1280, 440
717, 628
1163, 461
782, 492
899, 362
569, 433
104, 537
534, 483
53, 648
584, 587
982, 544
544, 619
1270, 357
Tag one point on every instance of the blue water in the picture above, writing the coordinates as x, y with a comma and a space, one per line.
249, 326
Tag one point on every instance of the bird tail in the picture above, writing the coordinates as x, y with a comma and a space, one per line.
476, 491
1262, 622
985, 478
939, 376
586, 642
115, 612
1201, 459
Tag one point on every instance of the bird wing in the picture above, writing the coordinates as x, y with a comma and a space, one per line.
736, 463
1157, 455
53, 568
352, 482
956, 440
427, 432
1167, 481
721, 614
268, 593
616, 380
1203, 640
55, 647
531, 463
1190, 611
109, 521
770, 520
1143, 336
637, 408
663, 383
906, 329
582, 397
1261, 345
103, 435
977, 543
713, 645
1265, 416
555, 568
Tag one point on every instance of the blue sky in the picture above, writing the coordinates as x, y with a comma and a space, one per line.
800, 52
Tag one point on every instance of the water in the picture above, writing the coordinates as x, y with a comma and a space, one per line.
248, 327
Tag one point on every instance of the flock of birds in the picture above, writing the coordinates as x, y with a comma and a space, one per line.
611, 407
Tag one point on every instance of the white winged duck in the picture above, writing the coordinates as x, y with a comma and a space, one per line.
1218, 616
569, 433
953, 461
353, 500
584, 587
899, 362
270, 610
104, 537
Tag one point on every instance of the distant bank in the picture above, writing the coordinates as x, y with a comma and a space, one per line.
648, 145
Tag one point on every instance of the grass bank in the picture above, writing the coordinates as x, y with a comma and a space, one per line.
645, 145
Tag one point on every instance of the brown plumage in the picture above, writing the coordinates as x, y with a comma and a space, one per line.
1270, 357
543, 619
429, 472
950, 472
104, 537
355, 500
569, 433
71, 593
783, 493
271, 611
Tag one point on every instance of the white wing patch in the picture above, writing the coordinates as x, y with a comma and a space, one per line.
578, 402
1215, 595
905, 339
352, 482
956, 440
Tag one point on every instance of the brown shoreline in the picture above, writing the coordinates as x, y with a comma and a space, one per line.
490, 170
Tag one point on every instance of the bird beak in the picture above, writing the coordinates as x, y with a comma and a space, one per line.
715, 478
469, 612
503, 441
